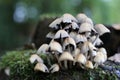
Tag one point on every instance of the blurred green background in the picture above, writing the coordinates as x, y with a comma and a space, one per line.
18, 18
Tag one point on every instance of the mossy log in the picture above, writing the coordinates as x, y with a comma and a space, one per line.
22, 69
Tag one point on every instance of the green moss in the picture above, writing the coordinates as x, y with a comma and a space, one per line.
22, 69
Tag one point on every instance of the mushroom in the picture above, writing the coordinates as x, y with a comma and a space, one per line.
101, 29
73, 34
50, 36
69, 44
76, 52
56, 24
89, 64
55, 48
54, 68
80, 39
66, 56
99, 59
96, 41
34, 58
85, 28
81, 17
43, 48
41, 67
87, 48
68, 18
60, 35
81, 59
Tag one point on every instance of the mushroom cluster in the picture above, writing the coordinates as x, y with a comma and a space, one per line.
72, 42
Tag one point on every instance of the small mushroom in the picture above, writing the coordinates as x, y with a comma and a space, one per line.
60, 35
96, 41
43, 48
81, 17
69, 44
55, 49
85, 27
101, 29
68, 18
54, 68
41, 67
34, 58
89, 64
80, 39
81, 59
76, 52
66, 56
99, 59
73, 34
56, 24
50, 36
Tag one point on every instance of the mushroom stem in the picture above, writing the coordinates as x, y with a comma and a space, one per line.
65, 64
96, 65
94, 42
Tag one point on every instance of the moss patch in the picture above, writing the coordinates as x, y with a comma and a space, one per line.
22, 69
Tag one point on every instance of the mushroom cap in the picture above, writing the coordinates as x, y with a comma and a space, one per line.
73, 34
35, 57
68, 18
80, 38
66, 56
41, 67
76, 52
74, 25
85, 47
81, 17
91, 46
61, 34
101, 29
55, 46
80, 58
43, 48
55, 23
89, 64
54, 68
68, 41
85, 27
88, 20
99, 58
116, 26
50, 35
103, 50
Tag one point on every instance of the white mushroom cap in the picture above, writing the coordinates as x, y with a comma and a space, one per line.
43, 48
100, 58
50, 35
88, 20
103, 50
81, 17
68, 41
95, 41
91, 46
61, 34
55, 46
34, 58
73, 35
89, 64
66, 56
68, 18
54, 68
74, 25
116, 26
80, 38
55, 23
101, 29
85, 27
80, 58
76, 52
41, 67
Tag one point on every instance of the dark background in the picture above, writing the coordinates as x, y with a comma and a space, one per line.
18, 18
